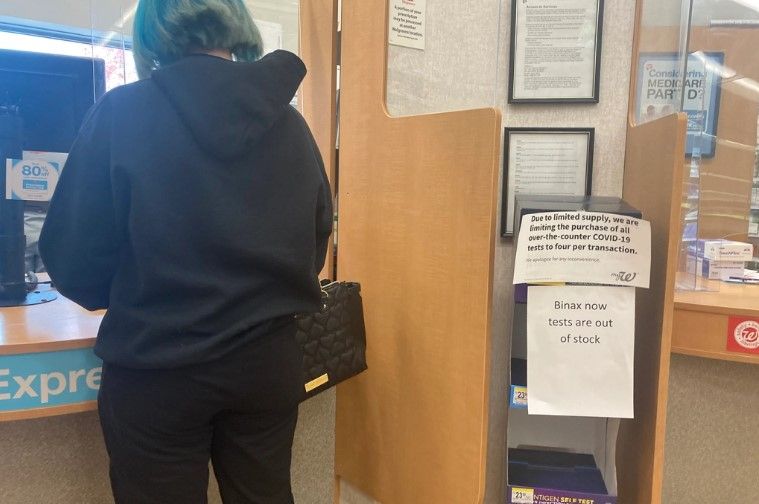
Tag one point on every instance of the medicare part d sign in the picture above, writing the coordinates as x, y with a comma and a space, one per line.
41, 380
583, 247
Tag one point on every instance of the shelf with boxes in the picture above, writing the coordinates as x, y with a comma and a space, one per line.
558, 457
724, 260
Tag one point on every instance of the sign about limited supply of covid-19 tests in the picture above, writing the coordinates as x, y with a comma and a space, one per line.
583, 247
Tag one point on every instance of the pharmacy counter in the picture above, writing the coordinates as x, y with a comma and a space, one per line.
720, 325
47, 366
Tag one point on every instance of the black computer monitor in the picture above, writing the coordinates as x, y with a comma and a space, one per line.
53, 94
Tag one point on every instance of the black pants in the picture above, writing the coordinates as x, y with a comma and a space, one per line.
161, 427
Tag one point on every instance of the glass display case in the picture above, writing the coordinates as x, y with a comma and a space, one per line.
721, 36
723, 322
696, 57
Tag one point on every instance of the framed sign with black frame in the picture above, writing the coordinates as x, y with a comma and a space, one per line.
555, 51
546, 161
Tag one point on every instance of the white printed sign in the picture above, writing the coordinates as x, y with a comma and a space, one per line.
583, 247
408, 23
580, 346
31, 179
555, 49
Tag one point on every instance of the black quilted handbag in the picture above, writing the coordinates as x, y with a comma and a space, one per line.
334, 339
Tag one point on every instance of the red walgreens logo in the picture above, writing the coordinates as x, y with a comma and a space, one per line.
743, 335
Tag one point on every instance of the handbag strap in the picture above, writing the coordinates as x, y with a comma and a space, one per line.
325, 294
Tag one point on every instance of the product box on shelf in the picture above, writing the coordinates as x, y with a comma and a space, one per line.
716, 270
539, 476
725, 250
529, 495
553, 458
720, 270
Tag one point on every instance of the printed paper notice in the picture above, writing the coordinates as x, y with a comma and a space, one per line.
408, 23
32, 179
546, 163
580, 346
583, 247
555, 49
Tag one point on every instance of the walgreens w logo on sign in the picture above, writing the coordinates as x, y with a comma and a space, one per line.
743, 335
747, 334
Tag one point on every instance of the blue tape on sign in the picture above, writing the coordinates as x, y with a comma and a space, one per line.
39, 185
43, 380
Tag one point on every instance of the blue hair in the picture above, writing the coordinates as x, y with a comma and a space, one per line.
165, 31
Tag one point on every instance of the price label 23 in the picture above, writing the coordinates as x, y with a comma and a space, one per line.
518, 397
522, 495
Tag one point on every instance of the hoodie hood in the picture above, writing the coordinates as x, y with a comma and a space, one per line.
228, 106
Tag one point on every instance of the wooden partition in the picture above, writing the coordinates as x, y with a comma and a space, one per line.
318, 103
652, 183
417, 228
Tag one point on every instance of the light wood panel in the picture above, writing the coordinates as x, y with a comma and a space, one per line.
51, 327
59, 325
318, 50
726, 298
701, 320
417, 229
703, 334
653, 183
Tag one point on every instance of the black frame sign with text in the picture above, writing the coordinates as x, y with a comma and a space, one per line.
545, 161
555, 52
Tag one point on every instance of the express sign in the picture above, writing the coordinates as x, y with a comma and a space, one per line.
40, 380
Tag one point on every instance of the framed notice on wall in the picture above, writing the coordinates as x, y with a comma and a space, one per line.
659, 82
555, 51
546, 161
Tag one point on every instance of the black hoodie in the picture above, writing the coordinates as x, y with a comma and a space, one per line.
194, 207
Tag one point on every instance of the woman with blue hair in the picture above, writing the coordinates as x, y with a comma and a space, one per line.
194, 207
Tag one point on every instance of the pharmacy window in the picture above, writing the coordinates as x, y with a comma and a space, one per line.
111, 47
